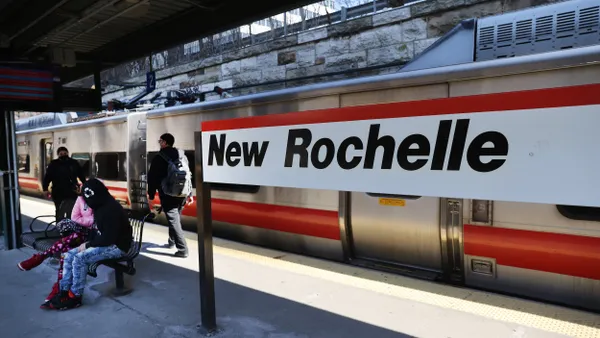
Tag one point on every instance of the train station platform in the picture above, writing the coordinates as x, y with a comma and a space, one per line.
267, 293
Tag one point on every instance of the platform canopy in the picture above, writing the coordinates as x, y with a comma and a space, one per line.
116, 31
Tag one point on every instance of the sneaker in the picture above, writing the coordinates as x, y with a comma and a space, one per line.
57, 299
31, 263
170, 244
181, 254
53, 293
66, 300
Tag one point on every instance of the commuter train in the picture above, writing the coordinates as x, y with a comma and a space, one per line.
532, 250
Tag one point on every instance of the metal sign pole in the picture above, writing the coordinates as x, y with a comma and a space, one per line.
205, 250
13, 183
3, 213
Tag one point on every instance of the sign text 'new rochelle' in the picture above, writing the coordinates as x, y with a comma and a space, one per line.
408, 153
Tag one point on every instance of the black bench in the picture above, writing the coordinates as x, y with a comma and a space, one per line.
42, 240
125, 264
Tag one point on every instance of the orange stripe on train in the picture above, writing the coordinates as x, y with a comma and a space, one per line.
571, 255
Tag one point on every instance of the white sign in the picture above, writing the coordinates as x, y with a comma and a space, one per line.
546, 155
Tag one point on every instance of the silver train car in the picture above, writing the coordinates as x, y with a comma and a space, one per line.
538, 251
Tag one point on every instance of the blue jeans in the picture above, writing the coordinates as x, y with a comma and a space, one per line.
76, 265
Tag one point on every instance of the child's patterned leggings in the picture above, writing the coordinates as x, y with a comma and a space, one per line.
63, 245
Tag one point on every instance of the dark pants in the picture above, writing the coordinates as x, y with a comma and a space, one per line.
58, 199
173, 214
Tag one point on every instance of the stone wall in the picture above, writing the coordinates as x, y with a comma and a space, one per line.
383, 40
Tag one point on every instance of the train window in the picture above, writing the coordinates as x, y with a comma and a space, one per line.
84, 160
404, 197
110, 166
579, 213
191, 156
23, 163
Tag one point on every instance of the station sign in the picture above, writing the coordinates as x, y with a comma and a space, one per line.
536, 146
150, 81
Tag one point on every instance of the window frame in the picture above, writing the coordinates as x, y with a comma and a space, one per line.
121, 169
27, 163
87, 173
579, 213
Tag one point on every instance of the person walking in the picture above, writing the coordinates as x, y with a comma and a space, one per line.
170, 175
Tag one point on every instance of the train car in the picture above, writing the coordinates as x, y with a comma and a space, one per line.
534, 250
113, 149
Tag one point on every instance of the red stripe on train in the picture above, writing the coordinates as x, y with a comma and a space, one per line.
528, 99
301, 221
571, 255
29, 183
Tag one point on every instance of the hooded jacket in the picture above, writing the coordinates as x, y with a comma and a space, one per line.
111, 220
82, 214
63, 174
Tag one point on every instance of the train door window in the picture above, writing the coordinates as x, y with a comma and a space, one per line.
110, 166
579, 213
48, 150
84, 160
191, 157
24, 165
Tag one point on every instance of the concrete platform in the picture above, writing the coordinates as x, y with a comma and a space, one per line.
267, 293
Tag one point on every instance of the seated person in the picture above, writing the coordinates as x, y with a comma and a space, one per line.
112, 240
72, 231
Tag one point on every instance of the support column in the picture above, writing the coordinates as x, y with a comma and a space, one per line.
10, 210
208, 309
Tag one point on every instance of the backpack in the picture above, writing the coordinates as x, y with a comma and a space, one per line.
178, 182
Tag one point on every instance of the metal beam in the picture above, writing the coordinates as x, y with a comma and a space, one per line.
38, 19
88, 13
10, 213
103, 22
190, 25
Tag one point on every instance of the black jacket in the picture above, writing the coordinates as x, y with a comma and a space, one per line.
110, 218
63, 174
157, 172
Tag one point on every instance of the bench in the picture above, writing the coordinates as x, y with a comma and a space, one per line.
42, 240
125, 264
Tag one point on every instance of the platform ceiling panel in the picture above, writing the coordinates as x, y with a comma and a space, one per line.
116, 31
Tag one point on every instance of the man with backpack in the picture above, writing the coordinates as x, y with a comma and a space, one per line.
63, 173
170, 175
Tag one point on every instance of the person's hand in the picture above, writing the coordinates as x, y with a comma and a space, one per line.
190, 200
81, 248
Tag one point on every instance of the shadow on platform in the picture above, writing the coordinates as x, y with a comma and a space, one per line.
164, 303
168, 294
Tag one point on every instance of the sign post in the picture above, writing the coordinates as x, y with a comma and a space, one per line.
205, 249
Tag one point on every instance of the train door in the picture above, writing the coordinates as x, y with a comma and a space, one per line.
46, 150
403, 231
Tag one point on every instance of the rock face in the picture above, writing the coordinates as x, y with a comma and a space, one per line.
379, 42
